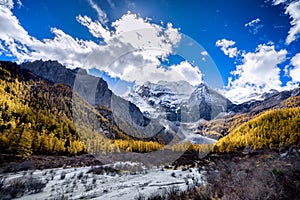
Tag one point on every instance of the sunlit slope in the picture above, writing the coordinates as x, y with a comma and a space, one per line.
274, 128
36, 117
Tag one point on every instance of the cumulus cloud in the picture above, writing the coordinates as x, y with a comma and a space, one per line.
258, 73
183, 71
188, 72
14, 37
141, 34
132, 49
95, 27
292, 8
254, 26
7, 3
294, 72
227, 47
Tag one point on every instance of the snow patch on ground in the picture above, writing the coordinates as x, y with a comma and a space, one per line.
76, 183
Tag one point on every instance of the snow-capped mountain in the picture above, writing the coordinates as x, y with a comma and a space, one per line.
260, 96
162, 99
204, 103
178, 101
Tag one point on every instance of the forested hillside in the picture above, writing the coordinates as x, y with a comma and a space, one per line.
274, 128
36, 117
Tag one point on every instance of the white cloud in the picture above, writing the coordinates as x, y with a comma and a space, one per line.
141, 33
95, 27
253, 22
226, 47
111, 4
14, 37
258, 73
189, 73
294, 72
277, 2
101, 14
183, 71
293, 9
20, 4
254, 26
204, 53
132, 51
7, 3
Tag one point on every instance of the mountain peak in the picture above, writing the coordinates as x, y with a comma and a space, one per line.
171, 99
93, 89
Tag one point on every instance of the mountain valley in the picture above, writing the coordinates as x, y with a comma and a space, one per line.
52, 116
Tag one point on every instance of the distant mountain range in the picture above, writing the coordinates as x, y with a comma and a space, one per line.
180, 101
156, 110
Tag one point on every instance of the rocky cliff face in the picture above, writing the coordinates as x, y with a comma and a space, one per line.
205, 103
93, 89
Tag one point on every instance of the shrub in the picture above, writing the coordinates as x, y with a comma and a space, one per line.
80, 175
62, 175
103, 170
34, 185
2, 180
173, 174
18, 187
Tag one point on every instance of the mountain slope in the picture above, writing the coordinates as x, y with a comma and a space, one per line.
239, 114
37, 117
94, 90
272, 100
274, 128
205, 103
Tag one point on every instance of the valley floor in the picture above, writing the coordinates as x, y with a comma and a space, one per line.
129, 181
259, 174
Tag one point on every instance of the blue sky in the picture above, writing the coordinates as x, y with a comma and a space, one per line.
244, 47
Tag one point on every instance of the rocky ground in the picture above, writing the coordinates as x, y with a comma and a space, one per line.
9, 163
248, 174
261, 174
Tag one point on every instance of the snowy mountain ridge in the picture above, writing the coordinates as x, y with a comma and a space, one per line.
172, 99
156, 98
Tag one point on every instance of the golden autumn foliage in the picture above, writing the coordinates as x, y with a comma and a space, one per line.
36, 117
137, 145
189, 147
274, 128
149, 146
291, 102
